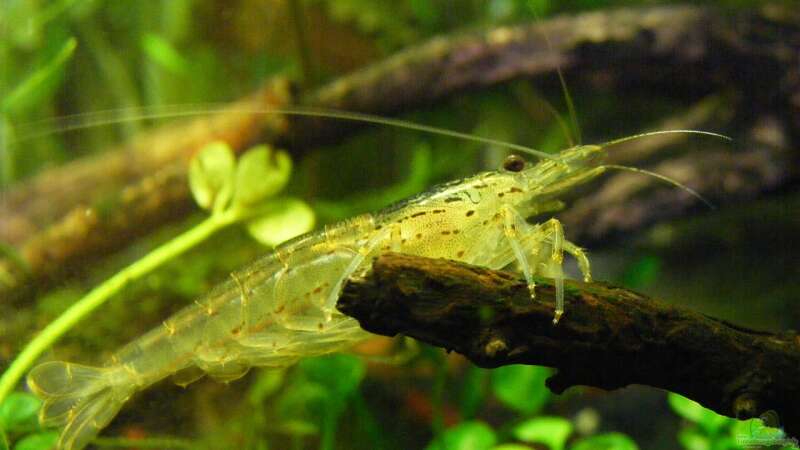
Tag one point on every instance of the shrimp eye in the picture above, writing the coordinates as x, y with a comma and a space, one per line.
514, 163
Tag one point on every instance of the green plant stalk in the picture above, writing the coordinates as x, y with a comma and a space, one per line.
437, 397
108, 288
13, 100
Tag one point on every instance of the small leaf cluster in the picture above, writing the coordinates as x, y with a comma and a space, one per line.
245, 190
549, 432
219, 183
19, 424
707, 430
521, 389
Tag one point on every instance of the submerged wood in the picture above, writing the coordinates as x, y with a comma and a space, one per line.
609, 337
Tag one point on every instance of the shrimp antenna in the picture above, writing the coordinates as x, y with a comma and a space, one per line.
368, 118
656, 133
659, 176
665, 179
101, 118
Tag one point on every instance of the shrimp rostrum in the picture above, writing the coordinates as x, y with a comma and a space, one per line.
282, 308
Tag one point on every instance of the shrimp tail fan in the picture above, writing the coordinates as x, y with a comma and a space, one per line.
80, 399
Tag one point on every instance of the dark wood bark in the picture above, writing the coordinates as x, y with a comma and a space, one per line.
610, 337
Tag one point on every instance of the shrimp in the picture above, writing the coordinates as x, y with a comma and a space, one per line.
282, 307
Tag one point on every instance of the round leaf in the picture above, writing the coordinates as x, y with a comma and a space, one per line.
521, 387
695, 412
608, 441
211, 175
474, 435
282, 220
40, 441
693, 439
551, 431
260, 174
339, 373
18, 412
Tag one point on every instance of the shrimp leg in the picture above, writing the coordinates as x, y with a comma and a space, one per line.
553, 266
583, 261
513, 224
526, 243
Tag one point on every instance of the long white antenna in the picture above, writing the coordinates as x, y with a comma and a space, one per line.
100, 118
663, 178
656, 133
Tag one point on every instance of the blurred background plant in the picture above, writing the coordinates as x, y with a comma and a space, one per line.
67, 57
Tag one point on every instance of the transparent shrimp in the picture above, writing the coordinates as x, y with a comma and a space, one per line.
282, 308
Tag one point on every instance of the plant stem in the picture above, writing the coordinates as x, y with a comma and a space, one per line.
301, 40
104, 291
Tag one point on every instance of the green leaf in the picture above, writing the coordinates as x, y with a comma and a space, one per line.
164, 54
267, 383
690, 410
45, 440
282, 220
302, 401
761, 432
18, 412
28, 92
473, 392
745, 428
725, 443
340, 374
3, 440
511, 447
693, 439
521, 387
608, 441
211, 175
551, 431
261, 173
320, 389
474, 435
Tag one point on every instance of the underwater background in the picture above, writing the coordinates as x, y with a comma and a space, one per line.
103, 103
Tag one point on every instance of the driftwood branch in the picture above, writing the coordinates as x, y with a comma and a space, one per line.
610, 337
66, 217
